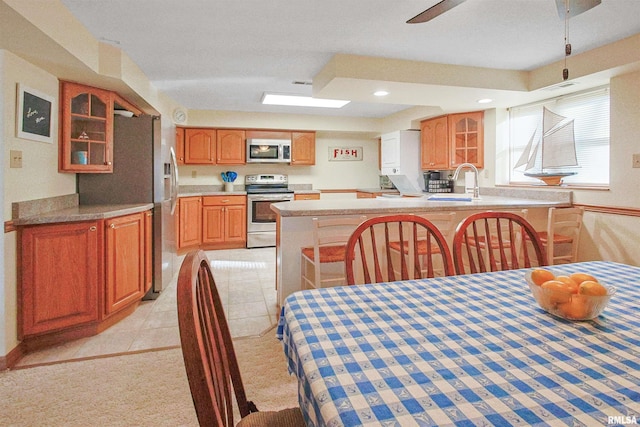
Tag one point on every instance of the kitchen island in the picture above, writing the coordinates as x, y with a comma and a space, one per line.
294, 219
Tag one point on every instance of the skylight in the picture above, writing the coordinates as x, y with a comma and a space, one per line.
301, 101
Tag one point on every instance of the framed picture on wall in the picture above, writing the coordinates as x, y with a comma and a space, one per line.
35, 115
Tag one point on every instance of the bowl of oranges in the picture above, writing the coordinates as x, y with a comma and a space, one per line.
577, 296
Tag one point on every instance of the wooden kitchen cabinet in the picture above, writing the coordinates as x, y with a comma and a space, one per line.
231, 148
212, 222
448, 141
87, 129
434, 143
466, 138
180, 145
199, 146
60, 278
365, 195
307, 196
125, 245
189, 221
78, 278
303, 148
224, 222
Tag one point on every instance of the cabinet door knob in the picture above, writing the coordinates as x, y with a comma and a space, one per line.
93, 228
112, 226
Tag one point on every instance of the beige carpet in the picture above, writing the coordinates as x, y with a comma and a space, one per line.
143, 389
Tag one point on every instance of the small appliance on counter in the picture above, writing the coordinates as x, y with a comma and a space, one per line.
433, 183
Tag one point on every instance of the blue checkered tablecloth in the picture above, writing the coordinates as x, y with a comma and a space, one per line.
473, 350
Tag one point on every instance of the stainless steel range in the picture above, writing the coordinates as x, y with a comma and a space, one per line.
262, 191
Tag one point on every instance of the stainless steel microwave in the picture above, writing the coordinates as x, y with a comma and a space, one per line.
260, 150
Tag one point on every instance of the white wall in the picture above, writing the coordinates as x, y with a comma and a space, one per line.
617, 237
38, 178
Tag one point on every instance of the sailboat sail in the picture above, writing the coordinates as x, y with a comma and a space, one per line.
558, 144
551, 146
529, 157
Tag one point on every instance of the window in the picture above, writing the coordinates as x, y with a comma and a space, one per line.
587, 112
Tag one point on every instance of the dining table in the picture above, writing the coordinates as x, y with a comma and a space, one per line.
466, 350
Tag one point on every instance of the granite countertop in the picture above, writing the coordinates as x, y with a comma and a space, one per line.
382, 205
82, 213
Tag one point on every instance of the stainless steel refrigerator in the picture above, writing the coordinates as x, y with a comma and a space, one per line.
144, 171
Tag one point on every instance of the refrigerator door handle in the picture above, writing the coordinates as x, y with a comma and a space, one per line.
174, 181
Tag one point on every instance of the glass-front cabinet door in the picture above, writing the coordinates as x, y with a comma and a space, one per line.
87, 129
466, 138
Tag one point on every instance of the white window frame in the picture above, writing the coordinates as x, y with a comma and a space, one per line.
590, 110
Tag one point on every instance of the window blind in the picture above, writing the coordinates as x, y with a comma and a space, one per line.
590, 112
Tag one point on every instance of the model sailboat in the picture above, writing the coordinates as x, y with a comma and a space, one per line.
549, 149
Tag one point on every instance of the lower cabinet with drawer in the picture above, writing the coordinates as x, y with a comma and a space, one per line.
76, 279
306, 196
212, 222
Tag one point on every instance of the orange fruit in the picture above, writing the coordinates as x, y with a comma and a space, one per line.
589, 287
581, 277
571, 284
540, 275
577, 308
556, 292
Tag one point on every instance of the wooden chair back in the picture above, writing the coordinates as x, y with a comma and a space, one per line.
330, 237
207, 347
514, 243
370, 259
563, 227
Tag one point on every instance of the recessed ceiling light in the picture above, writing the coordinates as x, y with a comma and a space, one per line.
381, 93
301, 101
485, 100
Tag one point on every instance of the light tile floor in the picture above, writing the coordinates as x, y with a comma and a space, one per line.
246, 282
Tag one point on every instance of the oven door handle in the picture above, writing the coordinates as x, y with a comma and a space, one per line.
270, 198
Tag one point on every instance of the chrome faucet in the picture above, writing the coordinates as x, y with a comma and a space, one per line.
476, 187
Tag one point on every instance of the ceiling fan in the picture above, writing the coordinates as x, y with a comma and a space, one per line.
576, 7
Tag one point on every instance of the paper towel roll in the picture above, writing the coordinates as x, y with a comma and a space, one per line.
469, 182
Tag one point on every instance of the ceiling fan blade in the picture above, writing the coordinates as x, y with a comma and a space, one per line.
576, 7
436, 10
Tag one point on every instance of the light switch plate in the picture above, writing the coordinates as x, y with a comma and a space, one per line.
15, 159
636, 160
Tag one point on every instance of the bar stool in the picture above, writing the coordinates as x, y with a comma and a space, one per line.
495, 244
322, 265
506, 251
445, 222
564, 225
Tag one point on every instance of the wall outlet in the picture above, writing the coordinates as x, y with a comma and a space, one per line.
636, 160
15, 159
